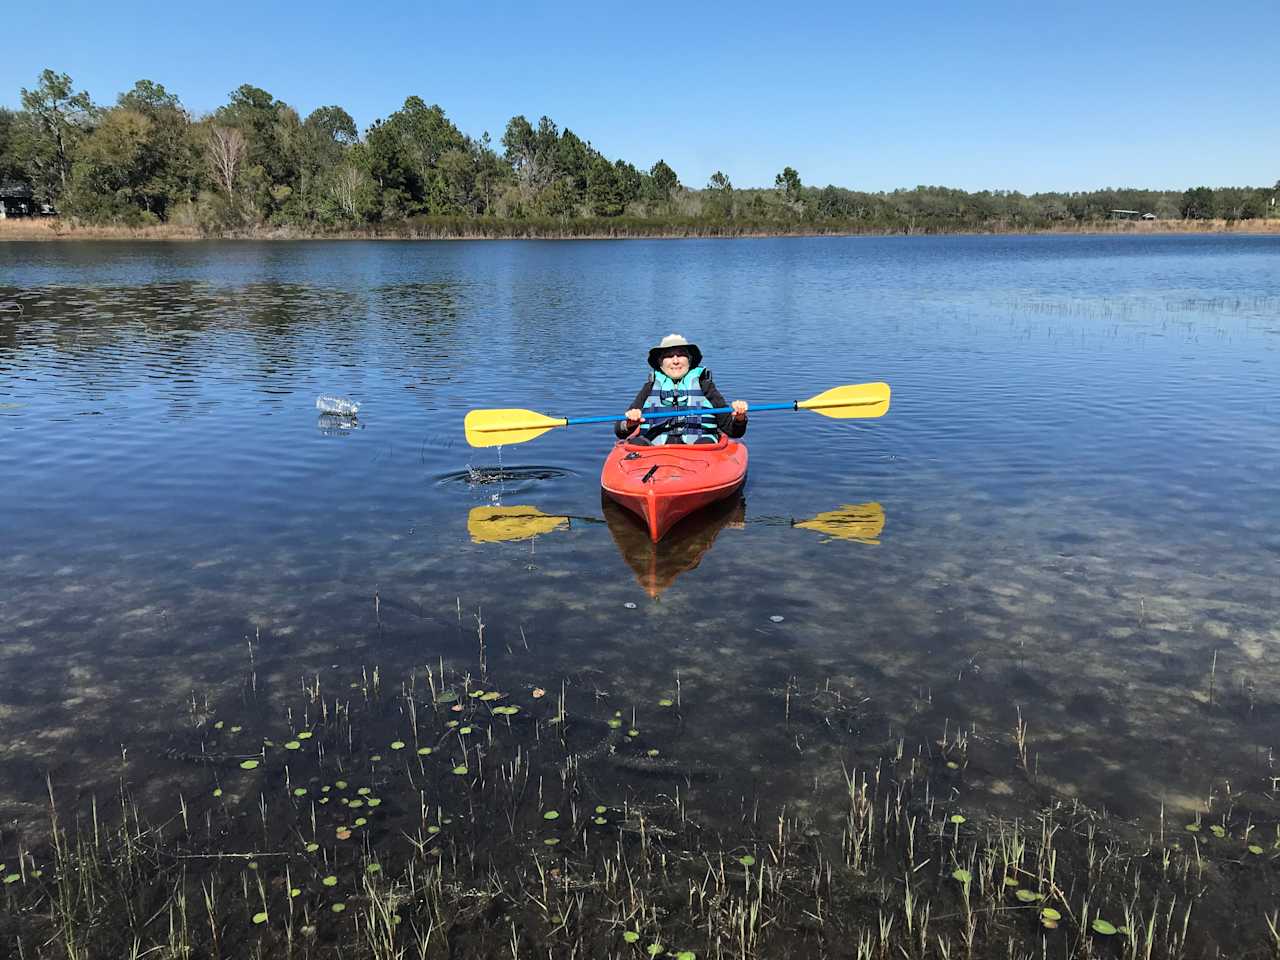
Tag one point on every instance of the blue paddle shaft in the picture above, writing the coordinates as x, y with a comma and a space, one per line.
685, 412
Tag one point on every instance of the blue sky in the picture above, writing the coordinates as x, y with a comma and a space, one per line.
1023, 96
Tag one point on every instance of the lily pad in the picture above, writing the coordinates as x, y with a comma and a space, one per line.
373, 868
305, 735
249, 764
1048, 913
295, 892
1218, 831
460, 769
961, 874
330, 881
340, 784
551, 841
1193, 828
361, 821
293, 745
630, 936
599, 821
655, 949
747, 860
652, 752
12, 878
312, 847
374, 802
217, 791
1255, 849
260, 917
551, 815
397, 744
602, 809
686, 955
338, 907
666, 702
363, 791
957, 819
446, 696
1028, 896
1103, 927
299, 791
491, 696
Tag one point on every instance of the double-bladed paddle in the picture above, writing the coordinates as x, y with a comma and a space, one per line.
494, 428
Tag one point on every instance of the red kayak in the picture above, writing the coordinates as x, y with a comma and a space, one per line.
664, 484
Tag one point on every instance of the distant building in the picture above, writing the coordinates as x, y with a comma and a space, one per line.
16, 200
1125, 214
1149, 216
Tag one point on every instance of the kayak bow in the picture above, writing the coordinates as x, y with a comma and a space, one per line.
664, 484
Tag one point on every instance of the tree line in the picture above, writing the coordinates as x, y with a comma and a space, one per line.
256, 161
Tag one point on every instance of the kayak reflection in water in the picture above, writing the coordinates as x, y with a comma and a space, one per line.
678, 381
657, 566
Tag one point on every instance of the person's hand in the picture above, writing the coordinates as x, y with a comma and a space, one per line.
739, 409
633, 416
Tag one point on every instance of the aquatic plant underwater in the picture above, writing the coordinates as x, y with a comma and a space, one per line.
450, 813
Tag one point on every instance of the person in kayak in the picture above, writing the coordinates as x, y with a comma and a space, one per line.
679, 380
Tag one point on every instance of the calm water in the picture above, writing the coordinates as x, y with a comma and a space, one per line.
1077, 480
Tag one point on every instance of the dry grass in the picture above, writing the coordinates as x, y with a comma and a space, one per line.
54, 228
458, 228
1172, 226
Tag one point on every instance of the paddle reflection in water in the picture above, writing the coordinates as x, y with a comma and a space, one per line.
498, 523
860, 522
657, 565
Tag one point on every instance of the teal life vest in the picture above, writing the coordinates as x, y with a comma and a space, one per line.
667, 394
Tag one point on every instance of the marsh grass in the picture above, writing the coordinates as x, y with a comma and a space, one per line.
599, 228
628, 865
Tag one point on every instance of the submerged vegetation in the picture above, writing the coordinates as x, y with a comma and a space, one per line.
255, 165
449, 814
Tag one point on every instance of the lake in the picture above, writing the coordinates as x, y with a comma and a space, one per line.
1052, 566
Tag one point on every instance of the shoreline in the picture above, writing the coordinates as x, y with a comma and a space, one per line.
52, 230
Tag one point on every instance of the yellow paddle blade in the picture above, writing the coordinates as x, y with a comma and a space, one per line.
861, 522
497, 524
494, 428
852, 400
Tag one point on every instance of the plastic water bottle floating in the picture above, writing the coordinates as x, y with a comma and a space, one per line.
340, 405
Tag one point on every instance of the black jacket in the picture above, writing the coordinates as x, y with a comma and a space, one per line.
728, 426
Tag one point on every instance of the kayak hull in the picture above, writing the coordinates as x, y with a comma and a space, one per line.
664, 484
